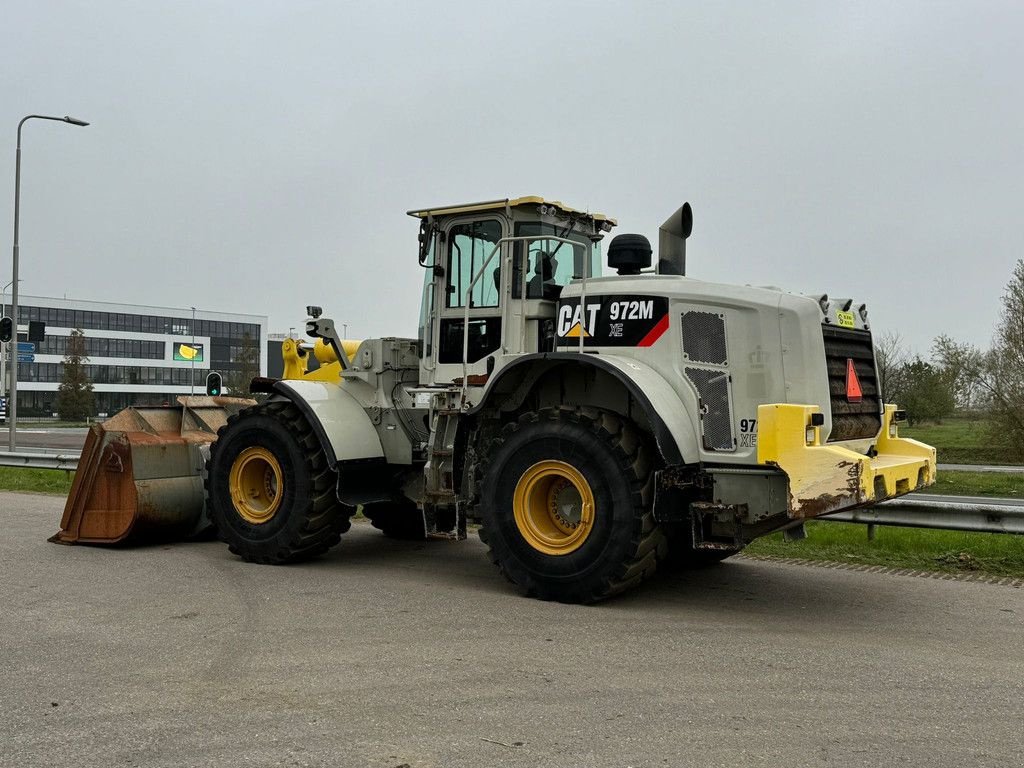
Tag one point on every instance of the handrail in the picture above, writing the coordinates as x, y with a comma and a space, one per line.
522, 296
428, 333
583, 308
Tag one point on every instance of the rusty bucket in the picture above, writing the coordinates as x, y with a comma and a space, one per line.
140, 476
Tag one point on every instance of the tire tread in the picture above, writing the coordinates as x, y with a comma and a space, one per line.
648, 544
325, 518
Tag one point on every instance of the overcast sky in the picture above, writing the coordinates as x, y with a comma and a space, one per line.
258, 157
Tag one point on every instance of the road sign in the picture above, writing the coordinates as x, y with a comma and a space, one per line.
26, 358
26, 348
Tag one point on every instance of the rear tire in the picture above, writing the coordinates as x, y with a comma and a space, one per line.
566, 505
270, 493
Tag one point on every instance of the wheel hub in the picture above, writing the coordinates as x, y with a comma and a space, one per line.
566, 503
256, 482
553, 506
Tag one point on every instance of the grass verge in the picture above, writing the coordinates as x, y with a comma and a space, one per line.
955, 483
996, 554
961, 440
55, 481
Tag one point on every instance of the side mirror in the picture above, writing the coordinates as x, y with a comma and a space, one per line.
424, 241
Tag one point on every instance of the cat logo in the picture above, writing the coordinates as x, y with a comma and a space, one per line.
571, 324
612, 321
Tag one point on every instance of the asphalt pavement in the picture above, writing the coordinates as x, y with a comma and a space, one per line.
1003, 469
49, 438
389, 654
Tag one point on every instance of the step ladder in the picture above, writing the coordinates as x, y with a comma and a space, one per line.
442, 509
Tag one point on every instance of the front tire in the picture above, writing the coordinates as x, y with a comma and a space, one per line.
270, 492
566, 506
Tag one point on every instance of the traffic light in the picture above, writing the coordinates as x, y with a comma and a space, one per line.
214, 384
6, 329
36, 331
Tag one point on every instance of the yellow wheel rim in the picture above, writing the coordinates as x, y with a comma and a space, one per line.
553, 507
257, 485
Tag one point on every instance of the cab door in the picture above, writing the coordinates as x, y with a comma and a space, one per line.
470, 287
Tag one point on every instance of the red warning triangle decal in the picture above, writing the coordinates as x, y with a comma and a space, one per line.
854, 394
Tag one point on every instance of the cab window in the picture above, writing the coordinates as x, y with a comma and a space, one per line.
469, 245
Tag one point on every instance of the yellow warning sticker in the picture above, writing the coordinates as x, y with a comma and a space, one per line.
846, 319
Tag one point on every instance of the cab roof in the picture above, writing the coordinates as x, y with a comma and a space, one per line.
518, 202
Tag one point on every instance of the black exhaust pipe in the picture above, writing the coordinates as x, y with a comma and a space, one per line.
672, 241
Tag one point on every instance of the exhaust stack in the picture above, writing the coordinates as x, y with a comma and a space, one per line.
672, 241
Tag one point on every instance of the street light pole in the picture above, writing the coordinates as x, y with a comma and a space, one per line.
3, 345
12, 405
192, 378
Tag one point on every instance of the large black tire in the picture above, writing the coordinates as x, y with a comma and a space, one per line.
275, 444
610, 458
397, 519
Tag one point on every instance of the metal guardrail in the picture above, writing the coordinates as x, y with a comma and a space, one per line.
941, 515
906, 513
66, 461
1004, 469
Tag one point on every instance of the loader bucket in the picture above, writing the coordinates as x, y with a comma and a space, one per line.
140, 476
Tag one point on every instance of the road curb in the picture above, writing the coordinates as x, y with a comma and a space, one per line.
981, 578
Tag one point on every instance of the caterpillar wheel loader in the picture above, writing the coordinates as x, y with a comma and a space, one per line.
594, 427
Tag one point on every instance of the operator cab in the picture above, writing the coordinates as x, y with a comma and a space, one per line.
493, 274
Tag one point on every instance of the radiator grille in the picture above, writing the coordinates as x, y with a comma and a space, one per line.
716, 415
852, 421
704, 338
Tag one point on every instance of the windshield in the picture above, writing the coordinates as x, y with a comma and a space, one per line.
551, 264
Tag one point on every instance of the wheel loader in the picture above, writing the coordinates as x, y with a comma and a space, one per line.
593, 426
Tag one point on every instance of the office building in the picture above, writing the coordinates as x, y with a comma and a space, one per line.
137, 355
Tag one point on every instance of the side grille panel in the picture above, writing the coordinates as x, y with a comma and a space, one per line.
716, 413
851, 421
704, 338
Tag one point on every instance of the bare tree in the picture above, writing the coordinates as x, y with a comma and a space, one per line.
927, 395
963, 366
246, 366
891, 359
1004, 368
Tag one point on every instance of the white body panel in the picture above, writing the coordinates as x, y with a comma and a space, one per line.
339, 417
